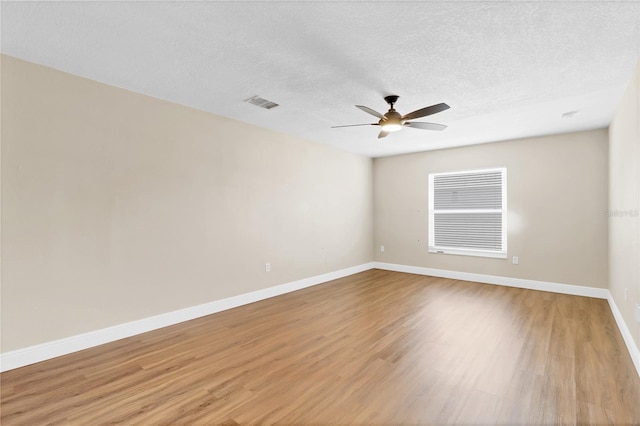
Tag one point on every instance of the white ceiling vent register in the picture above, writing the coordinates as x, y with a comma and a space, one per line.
262, 103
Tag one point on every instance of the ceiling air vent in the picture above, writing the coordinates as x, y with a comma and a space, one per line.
262, 103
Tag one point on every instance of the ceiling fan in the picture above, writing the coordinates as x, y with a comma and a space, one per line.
392, 121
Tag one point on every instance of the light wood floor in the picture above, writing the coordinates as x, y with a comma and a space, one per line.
374, 348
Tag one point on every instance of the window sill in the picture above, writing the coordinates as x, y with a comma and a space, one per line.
463, 252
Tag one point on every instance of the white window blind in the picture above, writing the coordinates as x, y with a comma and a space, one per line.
467, 212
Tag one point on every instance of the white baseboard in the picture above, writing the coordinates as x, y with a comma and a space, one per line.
626, 334
599, 293
33, 354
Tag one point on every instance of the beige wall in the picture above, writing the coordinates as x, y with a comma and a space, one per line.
624, 204
118, 206
557, 201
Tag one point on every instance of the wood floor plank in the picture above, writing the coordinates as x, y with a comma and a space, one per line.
377, 347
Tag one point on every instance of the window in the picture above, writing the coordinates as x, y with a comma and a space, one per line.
468, 213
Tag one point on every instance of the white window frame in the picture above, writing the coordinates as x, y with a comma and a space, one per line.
501, 254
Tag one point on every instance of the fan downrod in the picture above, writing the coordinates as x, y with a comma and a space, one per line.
391, 99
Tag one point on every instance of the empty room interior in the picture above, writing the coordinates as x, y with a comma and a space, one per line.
320, 213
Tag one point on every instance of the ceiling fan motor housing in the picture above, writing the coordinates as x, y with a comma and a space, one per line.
391, 116
391, 122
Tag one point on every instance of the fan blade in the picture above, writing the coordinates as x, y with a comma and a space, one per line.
433, 109
426, 126
354, 125
370, 111
382, 134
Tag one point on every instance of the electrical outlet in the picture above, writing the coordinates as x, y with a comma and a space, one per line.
515, 260
267, 267
382, 248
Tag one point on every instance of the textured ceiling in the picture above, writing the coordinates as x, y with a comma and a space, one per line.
507, 69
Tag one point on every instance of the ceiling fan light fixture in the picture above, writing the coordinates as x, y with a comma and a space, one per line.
391, 127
